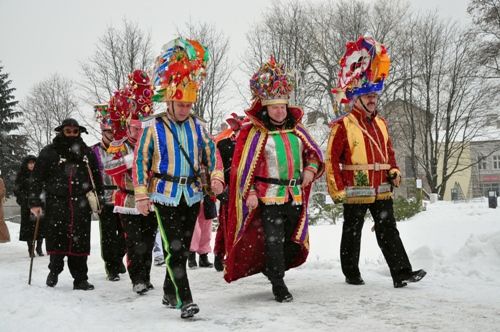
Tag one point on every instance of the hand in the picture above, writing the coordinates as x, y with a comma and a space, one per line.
307, 178
396, 181
143, 206
36, 211
217, 187
339, 197
252, 201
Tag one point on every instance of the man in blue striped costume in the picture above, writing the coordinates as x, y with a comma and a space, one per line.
170, 154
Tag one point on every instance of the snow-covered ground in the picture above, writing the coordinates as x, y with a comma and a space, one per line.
458, 244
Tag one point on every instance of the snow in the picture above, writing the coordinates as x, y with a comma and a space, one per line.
457, 243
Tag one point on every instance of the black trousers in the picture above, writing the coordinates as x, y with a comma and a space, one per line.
112, 240
279, 222
387, 234
176, 225
140, 234
77, 266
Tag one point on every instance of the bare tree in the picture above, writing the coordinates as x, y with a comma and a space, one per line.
486, 17
118, 53
213, 93
282, 33
440, 78
49, 102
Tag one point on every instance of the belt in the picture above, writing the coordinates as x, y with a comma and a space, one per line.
182, 180
366, 167
288, 182
126, 191
109, 187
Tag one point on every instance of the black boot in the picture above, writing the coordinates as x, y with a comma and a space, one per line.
140, 288
416, 276
39, 251
280, 291
113, 277
219, 263
52, 279
82, 285
192, 260
204, 262
355, 280
189, 310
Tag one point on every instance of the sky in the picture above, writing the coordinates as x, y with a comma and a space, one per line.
457, 243
40, 38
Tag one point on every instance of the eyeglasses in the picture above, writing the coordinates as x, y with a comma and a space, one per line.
71, 131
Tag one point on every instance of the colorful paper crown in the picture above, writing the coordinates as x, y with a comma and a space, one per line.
141, 95
363, 69
180, 70
272, 84
119, 112
102, 116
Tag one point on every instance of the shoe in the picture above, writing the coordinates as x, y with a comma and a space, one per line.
189, 310
113, 277
39, 252
219, 263
280, 291
400, 284
416, 276
192, 260
169, 301
159, 261
140, 288
204, 262
149, 286
355, 281
52, 279
83, 285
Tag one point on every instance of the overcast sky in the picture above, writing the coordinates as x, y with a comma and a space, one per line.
41, 37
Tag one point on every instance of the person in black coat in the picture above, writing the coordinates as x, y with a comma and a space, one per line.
22, 190
62, 179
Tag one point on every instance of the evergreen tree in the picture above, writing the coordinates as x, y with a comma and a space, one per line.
12, 144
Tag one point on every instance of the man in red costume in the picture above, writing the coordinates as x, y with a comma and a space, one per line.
361, 167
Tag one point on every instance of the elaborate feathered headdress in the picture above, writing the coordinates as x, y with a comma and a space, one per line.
180, 70
363, 69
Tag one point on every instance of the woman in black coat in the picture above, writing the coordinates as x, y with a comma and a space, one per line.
23, 187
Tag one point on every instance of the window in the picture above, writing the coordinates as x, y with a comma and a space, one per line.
496, 162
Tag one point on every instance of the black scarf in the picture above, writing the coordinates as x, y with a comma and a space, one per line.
70, 148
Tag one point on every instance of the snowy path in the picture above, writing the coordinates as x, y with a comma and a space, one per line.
458, 244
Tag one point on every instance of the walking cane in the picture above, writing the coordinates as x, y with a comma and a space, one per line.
32, 253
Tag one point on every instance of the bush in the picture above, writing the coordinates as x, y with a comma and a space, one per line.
321, 211
406, 208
